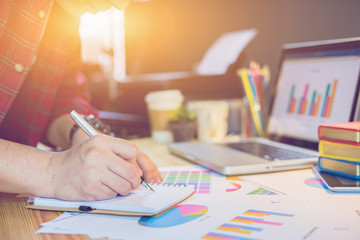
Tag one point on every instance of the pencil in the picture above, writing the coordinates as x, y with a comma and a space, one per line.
254, 105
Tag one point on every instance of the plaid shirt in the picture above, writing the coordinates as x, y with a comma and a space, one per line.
39, 69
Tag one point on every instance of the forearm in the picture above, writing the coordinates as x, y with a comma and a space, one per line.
100, 168
23, 169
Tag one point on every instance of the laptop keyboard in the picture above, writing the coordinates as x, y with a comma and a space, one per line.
267, 151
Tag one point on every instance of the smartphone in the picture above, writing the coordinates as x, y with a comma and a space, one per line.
336, 183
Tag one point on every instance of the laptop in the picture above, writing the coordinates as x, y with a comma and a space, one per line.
322, 75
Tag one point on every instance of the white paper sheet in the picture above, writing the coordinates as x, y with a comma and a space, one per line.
224, 52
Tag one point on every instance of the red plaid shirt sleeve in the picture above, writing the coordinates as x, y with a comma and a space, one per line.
39, 69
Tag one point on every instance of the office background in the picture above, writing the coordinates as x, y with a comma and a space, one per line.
173, 35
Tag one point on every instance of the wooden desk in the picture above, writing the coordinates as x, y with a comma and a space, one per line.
17, 222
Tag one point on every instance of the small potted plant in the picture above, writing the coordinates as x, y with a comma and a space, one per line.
183, 124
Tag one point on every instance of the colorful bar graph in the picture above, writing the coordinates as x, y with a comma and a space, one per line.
219, 236
312, 108
238, 227
266, 213
199, 179
254, 220
261, 191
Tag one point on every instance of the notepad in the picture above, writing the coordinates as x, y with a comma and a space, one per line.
140, 202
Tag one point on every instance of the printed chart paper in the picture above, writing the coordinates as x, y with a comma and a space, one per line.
288, 205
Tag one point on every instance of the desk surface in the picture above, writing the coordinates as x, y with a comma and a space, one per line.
18, 222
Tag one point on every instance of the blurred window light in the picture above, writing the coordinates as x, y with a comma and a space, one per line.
103, 41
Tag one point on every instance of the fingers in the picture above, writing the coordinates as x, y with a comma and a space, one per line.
101, 182
125, 171
150, 171
117, 184
120, 147
119, 156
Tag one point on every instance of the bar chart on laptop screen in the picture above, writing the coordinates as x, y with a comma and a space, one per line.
314, 103
311, 92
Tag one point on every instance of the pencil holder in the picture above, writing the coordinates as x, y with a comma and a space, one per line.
247, 126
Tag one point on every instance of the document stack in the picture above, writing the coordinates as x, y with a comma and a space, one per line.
339, 149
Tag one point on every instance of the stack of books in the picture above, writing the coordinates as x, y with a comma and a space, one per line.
339, 149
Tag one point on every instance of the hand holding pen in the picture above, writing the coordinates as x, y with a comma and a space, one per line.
91, 132
98, 168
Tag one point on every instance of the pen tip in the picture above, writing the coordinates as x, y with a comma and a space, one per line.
147, 185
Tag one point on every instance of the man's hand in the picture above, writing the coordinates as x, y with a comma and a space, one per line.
99, 168
76, 8
149, 169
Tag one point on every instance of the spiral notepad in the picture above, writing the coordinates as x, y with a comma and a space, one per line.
140, 202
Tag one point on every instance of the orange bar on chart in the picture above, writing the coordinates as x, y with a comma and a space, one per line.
317, 104
331, 99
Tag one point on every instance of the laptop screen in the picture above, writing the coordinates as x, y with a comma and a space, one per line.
317, 83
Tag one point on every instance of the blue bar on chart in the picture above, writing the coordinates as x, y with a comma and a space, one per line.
201, 180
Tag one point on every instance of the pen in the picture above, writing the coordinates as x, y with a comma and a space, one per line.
91, 132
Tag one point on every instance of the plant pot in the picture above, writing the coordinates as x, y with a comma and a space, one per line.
183, 131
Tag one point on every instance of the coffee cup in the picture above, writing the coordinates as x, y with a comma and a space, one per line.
161, 106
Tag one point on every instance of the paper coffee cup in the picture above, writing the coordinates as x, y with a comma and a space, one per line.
161, 105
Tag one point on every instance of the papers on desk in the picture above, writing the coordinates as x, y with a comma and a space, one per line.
252, 207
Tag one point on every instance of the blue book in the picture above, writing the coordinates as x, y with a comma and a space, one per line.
340, 167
